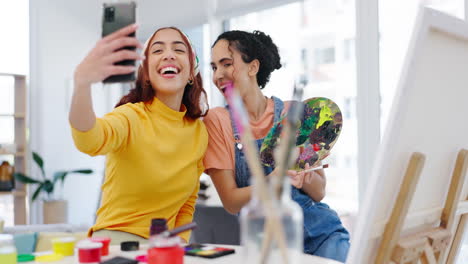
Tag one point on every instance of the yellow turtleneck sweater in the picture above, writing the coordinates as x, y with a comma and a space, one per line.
153, 164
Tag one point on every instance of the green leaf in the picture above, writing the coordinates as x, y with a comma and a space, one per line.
85, 171
59, 175
36, 193
24, 179
39, 161
48, 186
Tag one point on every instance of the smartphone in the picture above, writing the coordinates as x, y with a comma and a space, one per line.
116, 16
205, 251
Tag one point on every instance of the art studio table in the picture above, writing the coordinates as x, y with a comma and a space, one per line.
229, 259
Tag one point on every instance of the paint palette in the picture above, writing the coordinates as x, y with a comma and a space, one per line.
206, 251
318, 132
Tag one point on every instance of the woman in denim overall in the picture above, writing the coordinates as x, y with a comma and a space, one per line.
324, 234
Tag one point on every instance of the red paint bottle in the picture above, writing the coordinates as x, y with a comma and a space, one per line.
164, 255
89, 252
164, 250
105, 244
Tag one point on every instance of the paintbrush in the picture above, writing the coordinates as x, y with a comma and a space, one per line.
180, 229
288, 142
324, 166
283, 156
241, 121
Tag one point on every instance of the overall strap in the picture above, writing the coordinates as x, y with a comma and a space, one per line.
278, 109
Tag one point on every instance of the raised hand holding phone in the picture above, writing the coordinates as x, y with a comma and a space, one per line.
100, 63
116, 16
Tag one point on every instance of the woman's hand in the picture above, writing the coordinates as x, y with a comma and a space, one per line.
99, 63
299, 178
97, 66
296, 178
314, 183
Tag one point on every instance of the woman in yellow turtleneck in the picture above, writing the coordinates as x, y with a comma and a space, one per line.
154, 140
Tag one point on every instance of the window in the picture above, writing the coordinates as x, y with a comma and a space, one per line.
316, 39
349, 49
325, 55
396, 23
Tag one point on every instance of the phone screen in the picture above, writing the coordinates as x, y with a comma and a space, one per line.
115, 17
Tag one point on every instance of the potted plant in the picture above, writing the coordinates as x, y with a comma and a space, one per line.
54, 210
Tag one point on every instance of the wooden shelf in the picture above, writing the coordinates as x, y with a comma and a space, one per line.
20, 160
16, 115
12, 74
16, 154
14, 193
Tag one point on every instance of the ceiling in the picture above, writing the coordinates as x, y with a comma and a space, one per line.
152, 14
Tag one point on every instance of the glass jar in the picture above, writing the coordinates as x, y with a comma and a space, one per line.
8, 253
256, 241
7, 182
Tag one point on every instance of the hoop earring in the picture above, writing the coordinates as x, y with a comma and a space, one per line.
190, 82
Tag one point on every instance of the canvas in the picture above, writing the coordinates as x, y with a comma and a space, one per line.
428, 116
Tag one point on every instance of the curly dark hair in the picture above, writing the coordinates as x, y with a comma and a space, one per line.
255, 45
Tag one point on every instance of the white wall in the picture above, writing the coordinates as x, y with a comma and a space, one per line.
14, 38
61, 34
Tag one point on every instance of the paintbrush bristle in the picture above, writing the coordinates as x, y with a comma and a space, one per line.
229, 89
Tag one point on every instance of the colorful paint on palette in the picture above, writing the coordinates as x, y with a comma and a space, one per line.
270, 143
319, 130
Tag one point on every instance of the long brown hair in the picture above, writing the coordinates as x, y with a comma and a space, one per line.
144, 92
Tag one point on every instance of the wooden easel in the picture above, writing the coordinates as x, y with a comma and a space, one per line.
458, 237
428, 246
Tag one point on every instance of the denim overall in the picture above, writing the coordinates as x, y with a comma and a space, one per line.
324, 234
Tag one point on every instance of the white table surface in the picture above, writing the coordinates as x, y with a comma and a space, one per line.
229, 259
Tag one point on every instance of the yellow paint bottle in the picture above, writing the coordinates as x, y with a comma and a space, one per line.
63, 246
8, 253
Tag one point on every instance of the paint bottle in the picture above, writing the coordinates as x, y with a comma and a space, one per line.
89, 252
158, 225
105, 244
163, 249
64, 246
8, 253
